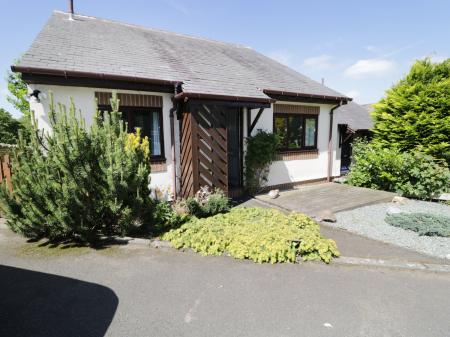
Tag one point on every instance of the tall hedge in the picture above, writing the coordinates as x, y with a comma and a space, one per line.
79, 182
415, 114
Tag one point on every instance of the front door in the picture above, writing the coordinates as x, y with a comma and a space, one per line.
234, 135
346, 140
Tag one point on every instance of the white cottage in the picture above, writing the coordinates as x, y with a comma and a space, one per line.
196, 99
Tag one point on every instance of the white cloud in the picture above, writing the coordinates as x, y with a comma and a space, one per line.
371, 48
437, 58
369, 68
282, 56
319, 62
179, 7
353, 94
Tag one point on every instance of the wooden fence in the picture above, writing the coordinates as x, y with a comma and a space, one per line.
5, 170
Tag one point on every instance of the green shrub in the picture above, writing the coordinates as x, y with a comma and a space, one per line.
423, 223
412, 174
77, 182
9, 128
261, 152
261, 235
166, 216
415, 114
206, 203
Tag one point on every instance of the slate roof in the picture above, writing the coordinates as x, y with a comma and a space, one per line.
89, 44
356, 116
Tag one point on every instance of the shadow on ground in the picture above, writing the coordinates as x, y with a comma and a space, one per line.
38, 304
103, 243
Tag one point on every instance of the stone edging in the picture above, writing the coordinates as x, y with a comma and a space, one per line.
379, 263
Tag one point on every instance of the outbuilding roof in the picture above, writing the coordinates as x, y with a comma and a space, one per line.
91, 45
356, 116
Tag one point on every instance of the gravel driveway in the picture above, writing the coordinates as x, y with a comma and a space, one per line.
369, 221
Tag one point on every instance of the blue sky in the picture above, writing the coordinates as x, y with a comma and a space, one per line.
360, 47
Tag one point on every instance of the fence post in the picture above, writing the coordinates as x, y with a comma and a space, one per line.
5, 171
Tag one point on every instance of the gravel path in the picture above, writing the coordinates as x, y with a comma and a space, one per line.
369, 221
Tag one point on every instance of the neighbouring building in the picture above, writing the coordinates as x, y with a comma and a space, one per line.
354, 121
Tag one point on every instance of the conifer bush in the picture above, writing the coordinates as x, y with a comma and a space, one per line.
427, 224
79, 183
415, 114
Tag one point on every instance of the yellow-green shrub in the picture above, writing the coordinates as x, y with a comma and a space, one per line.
261, 235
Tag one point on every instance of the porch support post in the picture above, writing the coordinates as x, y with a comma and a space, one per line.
172, 150
330, 143
172, 111
255, 121
249, 119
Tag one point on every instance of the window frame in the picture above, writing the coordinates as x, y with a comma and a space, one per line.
129, 111
303, 117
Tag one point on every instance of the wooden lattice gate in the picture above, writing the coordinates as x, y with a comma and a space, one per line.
204, 149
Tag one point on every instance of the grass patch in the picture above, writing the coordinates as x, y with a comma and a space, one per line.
423, 223
261, 235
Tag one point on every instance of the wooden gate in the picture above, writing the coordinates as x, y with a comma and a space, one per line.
204, 149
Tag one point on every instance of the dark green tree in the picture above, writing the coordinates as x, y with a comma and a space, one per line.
415, 114
79, 183
9, 128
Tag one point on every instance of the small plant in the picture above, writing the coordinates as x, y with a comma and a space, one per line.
167, 216
208, 203
261, 235
423, 223
261, 152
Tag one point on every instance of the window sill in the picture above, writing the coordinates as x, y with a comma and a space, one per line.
298, 151
158, 165
157, 160
286, 155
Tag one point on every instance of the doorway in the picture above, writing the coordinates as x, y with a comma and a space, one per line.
235, 151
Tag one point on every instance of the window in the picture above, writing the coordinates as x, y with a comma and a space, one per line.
297, 131
149, 120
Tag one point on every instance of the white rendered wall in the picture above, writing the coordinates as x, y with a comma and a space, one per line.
281, 172
84, 99
287, 171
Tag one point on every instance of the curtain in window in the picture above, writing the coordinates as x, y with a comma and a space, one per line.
294, 132
155, 135
310, 131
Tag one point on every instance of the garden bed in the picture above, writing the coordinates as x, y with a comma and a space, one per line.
261, 235
370, 221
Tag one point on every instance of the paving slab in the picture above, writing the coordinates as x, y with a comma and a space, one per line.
312, 199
